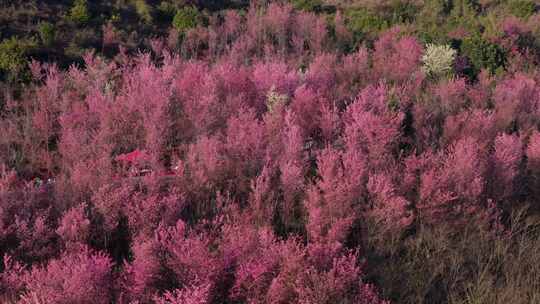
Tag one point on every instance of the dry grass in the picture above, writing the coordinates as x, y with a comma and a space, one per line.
469, 267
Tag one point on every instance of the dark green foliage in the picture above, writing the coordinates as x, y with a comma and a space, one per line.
463, 7
83, 41
438, 7
13, 56
364, 24
464, 14
79, 12
393, 103
431, 21
47, 33
483, 54
402, 12
166, 11
522, 8
186, 18
144, 10
307, 5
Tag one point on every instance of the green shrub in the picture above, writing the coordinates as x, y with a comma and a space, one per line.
82, 41
402, 12
362, 23
483, 54
435, 9
47, 33
307, 5
186, 18
166, 11
464, 14
431, 21
522, 8
144, 11
79, 12
13, 53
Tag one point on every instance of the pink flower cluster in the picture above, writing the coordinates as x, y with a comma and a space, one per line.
239, 203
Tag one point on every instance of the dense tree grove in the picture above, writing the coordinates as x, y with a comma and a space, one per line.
277, 154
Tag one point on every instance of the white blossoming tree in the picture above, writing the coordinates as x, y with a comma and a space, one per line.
438, 60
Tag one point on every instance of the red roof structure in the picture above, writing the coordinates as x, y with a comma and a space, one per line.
132, 157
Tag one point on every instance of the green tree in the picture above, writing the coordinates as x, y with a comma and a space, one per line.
13, 52
522, 8
166, 11
47, 33
402, 12
307, 5
431, 21
464, 15
483, 54
144, 10
186, 18
79, 12
364, 23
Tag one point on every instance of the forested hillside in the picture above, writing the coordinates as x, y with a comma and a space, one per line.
304, 151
